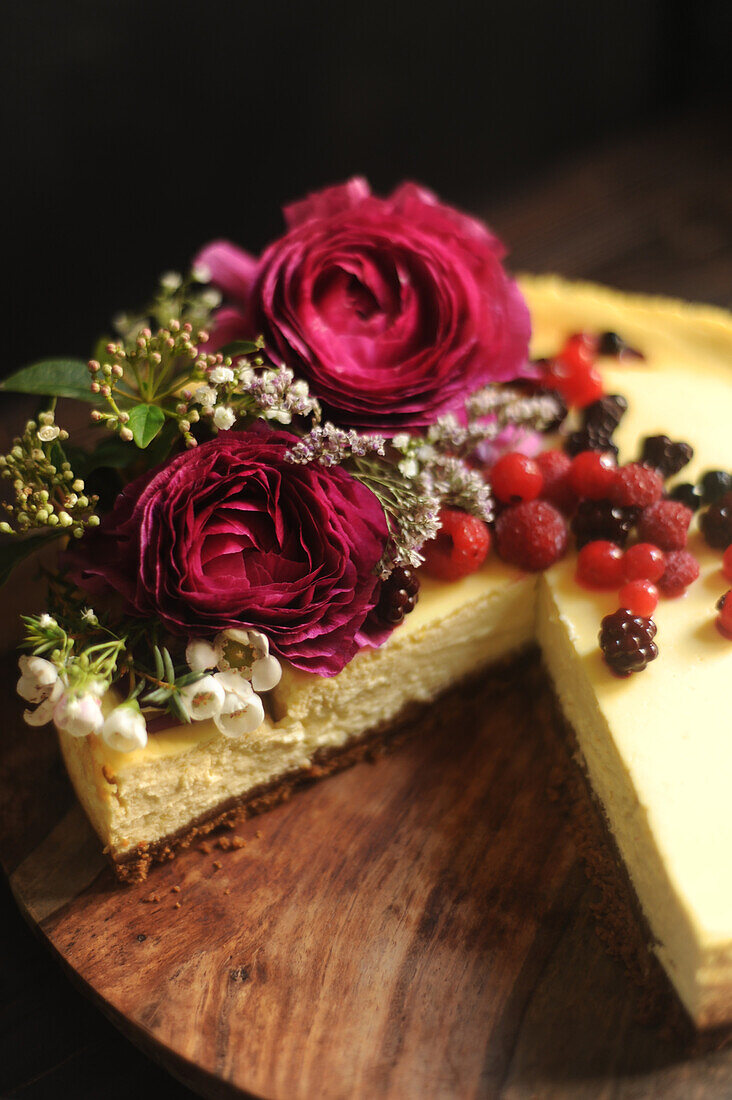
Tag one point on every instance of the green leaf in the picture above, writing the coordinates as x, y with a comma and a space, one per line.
239, 347
159, 666
54, 378
16, 550
145, 422
169, 670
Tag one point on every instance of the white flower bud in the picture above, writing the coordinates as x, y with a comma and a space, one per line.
78, 715
203, 699
125, 730
224, 418
200, 655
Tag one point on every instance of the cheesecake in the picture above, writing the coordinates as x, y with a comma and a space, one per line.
656, 747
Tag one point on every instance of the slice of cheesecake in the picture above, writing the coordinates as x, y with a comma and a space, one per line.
657, 746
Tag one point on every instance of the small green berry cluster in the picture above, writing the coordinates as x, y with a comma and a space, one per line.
47, 492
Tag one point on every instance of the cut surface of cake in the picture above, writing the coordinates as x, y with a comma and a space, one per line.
656, 747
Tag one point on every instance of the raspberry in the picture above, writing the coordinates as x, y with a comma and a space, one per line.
681, 570
663, 455
399, 593
554, 467
636, 486
515, 478
601, 519
644, 562
460, 548
600, 564
727, 563
592, 475
665, 523
626, 641
716, 523
639, 597
532, 535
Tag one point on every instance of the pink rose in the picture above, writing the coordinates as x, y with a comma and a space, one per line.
231, 534
395, 310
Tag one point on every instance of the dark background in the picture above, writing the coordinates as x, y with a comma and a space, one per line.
138, 129
594, 135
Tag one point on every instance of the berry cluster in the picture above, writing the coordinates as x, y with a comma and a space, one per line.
399, 593
626, 641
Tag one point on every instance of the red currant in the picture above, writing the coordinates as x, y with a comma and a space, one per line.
579, 351
515, 478
555, 467
600, 564
460, 548
727, 563
592, 474
644, 562
639, 597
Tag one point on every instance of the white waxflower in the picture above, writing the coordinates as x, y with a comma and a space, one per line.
219, 375
78, 715
401, 440
125, 729
242, 711
44, 711
46, 620
224, 418
200, 655
48, 433
205, 395
409, 467
37, 678
203, 699
247, 653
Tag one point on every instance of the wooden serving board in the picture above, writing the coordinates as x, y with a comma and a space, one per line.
419, 927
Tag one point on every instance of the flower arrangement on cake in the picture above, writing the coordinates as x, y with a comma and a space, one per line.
270, 469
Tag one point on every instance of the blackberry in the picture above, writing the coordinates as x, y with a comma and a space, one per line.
601, 519
687, 494
587, 439
716, 523
626, 641
664, 455
399, 594
714, 484
604, 415
610, 343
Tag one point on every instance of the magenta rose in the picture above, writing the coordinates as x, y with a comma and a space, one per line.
231, 534
394, 310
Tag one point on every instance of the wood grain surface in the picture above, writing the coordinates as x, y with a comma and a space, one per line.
419, 927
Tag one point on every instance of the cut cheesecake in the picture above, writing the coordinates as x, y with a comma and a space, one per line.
656, 746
